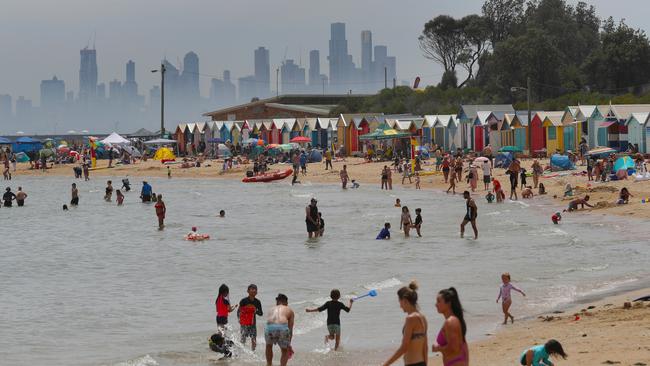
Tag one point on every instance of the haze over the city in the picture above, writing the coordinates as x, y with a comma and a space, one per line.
41, 39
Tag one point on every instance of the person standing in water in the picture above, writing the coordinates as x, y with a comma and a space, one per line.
8, 197
279, 330
405, 221
418, 221
109, 191
86, 170
506, 299
414, 345
344, 176
384, 177
161, 210
328, 159
451, 338
333, 308
249, 308
146, 192
74, 192
313, 224
222, 304
470, 215
119, 197
20, 197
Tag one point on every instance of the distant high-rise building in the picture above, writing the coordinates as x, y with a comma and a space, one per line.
88, 75
69, 97
340, 62
6, 108
248, 88
115, 91
223, 92
385, 68
154, 98
366, 54
262, 72
191, 76
130, 87
52, 94
23, 110
101, 91
314, 69
292, 78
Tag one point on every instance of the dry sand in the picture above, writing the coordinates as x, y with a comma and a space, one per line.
607, 334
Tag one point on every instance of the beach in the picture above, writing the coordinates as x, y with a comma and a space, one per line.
593, 266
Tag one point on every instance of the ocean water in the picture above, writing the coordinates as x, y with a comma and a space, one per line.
100, 285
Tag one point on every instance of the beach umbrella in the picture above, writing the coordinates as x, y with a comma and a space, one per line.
300, 140
510, 149
624, 162
481, 159
285, 147
384, 134
63, 149
46, 153
74, 154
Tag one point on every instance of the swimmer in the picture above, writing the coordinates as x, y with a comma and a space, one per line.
451, 342
222, 213
109, 191
223, 306
489, 197
74, 201
573, 205
219, 344
413, 347
418, 221
333, 308
279, 330
322, 224
470, 215
126, 185
541, 189
355, 184
65, 207
194, 236
120, 197
417, 180
384, 234
20, 197
506, 299
161, 210
556, 218
398, 203
8, 197
498, 191
527, 193
405, 222
539, 355
249, 308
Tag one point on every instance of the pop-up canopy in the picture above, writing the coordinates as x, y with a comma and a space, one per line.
115, 139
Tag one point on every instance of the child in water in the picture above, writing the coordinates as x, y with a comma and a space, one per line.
120, 197
398, 203
417, 180
219, 344
333, 308
65, 207
384, 234
506, 300
355, 184
418, 221
452, 184
222, 213
556, 218
489, 197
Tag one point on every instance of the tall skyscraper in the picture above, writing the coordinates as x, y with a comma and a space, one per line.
23, 110
340, 61
262, 72
88, 75
52, 94
191, 76
292, 78
223, 92
384, 68
247, 88
6, 107
115, 91
130, 87
314, 69
366, 54
101, 91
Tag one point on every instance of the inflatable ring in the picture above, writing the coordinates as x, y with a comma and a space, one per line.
198, 237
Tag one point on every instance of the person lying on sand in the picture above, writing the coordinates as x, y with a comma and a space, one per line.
573, 205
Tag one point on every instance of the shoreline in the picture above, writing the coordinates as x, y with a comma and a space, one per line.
593, 339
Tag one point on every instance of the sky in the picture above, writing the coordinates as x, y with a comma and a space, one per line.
39, 39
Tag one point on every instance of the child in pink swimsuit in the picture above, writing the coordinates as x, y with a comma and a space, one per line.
504, 295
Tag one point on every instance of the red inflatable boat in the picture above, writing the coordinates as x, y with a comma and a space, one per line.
269, 177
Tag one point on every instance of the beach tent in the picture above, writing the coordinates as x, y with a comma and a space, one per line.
164, 154
26, 144
131, 150
561, 162
4, 141
115, 139
503, 160
315, 156
21, 157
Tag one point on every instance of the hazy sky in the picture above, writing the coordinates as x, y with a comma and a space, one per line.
41, 38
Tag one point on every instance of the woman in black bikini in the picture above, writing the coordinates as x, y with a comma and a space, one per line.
414, 334
384, 178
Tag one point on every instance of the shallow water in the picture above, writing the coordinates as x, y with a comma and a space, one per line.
100, 285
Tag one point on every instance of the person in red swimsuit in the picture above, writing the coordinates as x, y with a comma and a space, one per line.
161, 210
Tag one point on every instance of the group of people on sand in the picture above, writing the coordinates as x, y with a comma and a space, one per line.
450, 342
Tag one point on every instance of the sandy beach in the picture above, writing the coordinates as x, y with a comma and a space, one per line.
603, 195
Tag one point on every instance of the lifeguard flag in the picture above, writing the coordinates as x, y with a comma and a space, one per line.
416, 83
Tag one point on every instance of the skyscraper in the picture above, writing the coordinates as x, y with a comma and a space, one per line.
6, 108
262, 72
247, 88
314, 69
223, 92
191, 76
292, 78
23, 110
366, 54
52, 94
115, 91
88, 75
384, 68
340, 61
130, 87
